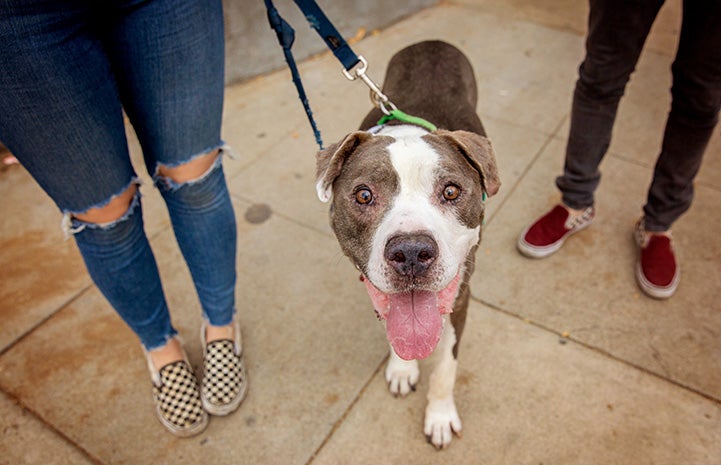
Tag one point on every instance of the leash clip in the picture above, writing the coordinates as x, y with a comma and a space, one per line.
379, 99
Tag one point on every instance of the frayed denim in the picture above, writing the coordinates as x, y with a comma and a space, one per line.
122, 265
69, 71
204, 224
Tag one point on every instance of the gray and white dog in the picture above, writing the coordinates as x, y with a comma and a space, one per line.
407, 208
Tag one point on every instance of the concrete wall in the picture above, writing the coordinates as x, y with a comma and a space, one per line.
252, 47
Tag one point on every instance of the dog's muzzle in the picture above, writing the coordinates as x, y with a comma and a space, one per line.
411, 255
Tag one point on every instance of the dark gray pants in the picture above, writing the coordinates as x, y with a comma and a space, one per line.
617, 32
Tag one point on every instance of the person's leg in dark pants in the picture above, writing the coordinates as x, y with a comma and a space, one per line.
617, 31
696, 99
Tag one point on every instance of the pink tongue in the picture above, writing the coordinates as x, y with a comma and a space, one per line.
413, 319
414, 324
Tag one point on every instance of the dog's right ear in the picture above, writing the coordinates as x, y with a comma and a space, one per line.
329, 162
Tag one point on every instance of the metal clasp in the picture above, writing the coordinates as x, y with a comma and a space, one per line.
378, 98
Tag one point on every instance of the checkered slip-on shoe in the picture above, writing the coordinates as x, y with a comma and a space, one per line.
225, 382
177, 398
657, 272
548, 233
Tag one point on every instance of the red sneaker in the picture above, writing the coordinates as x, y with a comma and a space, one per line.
657, 272
548, 233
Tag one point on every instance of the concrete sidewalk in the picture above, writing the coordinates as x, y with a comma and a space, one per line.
563, 361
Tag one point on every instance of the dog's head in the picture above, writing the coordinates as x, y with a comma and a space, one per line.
407, 210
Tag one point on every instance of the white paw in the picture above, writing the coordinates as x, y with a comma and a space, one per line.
442, 421
401, 375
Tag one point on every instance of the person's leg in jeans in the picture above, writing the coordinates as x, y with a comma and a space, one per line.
696, 99
169, 62
62, 118
169, 56
617, 31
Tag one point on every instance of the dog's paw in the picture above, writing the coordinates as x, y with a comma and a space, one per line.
442, 421
402, 376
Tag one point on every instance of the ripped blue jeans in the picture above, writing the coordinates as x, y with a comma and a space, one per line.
70, 69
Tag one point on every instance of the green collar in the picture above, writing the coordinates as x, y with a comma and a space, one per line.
406, 118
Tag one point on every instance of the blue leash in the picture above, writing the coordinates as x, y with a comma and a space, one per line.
342, 51
322, 25
286, 37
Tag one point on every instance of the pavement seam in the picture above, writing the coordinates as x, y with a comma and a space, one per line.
47, 318
598, 350
338, 423
52, 428
17, 401
525, 172
708, 185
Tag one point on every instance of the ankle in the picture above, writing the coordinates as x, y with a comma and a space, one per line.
641, 226
217, 333
574, 213
171, 352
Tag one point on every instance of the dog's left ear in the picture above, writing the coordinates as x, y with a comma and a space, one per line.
479, 153
329, 162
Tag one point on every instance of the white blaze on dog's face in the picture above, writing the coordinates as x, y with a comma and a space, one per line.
419, 207
407, 210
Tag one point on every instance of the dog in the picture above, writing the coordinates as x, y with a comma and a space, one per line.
407, 206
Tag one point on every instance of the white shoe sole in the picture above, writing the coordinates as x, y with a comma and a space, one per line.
654, 291
534, 251
182, 432
223, 410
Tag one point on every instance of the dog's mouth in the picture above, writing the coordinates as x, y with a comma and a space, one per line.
414, 319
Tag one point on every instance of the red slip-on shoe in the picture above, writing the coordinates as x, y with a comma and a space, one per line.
548, 233
657, 272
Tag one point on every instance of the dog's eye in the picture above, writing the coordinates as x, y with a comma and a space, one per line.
451, 192
363, 196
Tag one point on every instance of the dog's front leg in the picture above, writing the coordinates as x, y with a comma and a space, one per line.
442, 418
401, 375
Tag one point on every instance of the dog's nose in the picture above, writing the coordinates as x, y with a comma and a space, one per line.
412, 254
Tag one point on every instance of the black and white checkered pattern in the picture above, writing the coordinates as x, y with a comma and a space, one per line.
178, 398
223, 383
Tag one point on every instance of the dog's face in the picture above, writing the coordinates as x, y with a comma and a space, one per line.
407, 210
